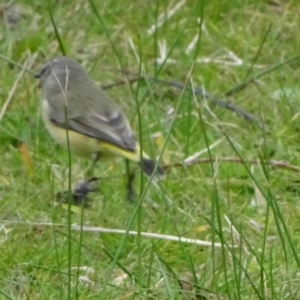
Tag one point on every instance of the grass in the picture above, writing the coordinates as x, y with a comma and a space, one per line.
254, 207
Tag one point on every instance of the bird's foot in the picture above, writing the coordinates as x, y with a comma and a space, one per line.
79, 195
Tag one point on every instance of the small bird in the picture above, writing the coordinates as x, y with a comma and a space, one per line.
96, 126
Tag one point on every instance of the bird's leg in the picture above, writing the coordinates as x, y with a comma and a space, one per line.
90, 172
83, 188
130, 178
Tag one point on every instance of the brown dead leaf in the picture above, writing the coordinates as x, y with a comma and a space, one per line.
26, 158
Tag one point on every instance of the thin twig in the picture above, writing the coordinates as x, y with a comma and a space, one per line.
119, 82
11, 92
197, 90
121, 231
272, 163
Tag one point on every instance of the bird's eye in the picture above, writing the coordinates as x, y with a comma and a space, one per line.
42, 72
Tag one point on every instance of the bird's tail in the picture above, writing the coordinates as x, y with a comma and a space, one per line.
149, 165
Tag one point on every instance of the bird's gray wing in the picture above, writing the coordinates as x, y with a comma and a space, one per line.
95, 115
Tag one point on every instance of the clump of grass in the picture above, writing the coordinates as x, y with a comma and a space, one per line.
235, 192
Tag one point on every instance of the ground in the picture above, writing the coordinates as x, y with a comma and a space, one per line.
240, 192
